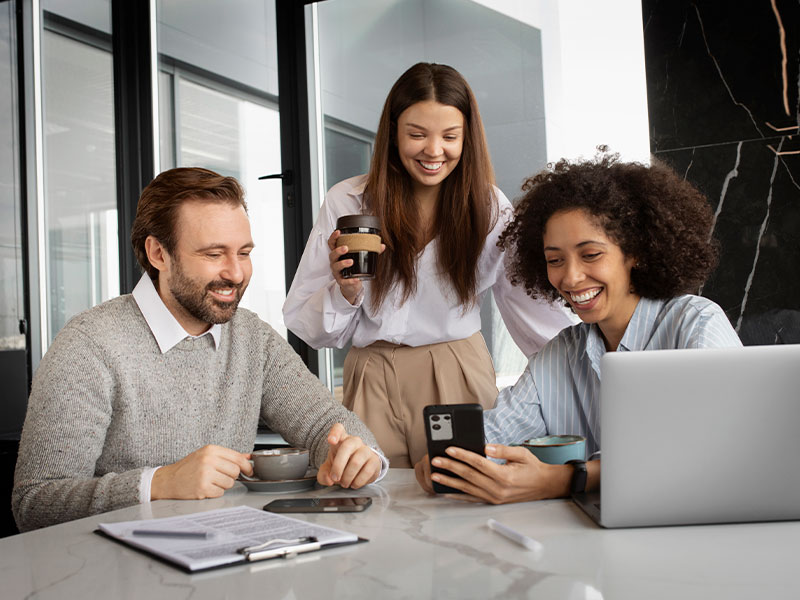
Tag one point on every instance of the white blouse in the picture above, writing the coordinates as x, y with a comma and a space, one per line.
317, 312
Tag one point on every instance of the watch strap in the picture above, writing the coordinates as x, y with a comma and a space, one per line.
579, 476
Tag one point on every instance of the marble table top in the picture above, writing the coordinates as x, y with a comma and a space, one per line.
421, 547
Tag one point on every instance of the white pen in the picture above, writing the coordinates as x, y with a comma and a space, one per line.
515, 536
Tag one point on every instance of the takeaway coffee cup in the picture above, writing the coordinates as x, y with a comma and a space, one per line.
279, 463
362, 236
557, 449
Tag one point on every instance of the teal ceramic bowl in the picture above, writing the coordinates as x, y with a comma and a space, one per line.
557, 449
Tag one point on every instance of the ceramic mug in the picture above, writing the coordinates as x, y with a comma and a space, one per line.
277, 464
557, 449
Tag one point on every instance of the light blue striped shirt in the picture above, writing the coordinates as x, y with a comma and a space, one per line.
559, 391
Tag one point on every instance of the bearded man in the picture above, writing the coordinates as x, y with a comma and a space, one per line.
158, 394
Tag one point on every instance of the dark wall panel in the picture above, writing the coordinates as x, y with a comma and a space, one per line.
722, 86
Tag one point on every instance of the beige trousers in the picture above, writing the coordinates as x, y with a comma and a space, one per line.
388, 385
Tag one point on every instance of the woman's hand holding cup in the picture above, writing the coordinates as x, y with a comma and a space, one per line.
368, 245
351, 288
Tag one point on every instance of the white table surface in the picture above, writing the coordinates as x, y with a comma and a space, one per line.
422, 547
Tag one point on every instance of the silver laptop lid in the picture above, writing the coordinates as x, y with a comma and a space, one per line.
700, 436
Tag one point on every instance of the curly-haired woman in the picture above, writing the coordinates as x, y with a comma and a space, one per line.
623, 244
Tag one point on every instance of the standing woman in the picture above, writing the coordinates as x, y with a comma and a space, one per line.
415, 328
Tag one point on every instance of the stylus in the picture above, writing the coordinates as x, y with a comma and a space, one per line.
515, 536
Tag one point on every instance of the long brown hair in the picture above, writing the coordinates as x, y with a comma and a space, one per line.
465, 212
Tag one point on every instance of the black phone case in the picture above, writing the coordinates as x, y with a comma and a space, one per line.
467, 433
275, 506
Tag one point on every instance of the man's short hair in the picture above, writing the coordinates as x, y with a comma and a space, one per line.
157, 211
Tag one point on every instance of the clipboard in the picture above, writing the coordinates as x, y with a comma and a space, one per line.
208, 540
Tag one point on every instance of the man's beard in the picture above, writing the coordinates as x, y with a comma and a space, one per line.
195, 299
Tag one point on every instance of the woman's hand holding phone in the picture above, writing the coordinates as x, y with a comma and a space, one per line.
452, 425
521, 478
422, 470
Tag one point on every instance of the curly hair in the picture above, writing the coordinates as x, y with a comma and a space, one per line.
650, 212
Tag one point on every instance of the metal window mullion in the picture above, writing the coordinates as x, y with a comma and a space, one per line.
223, 85
176, 115
295, 145
33, 131
24, 60
317, 157
132, 26
76, 31
155, 125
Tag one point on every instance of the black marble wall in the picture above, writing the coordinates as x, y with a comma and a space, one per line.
722, 84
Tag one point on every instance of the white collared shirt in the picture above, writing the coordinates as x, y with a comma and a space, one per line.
317, 312
168, 332
165, 327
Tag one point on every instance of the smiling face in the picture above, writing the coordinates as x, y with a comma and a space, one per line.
590, 271
204, 279
430, 137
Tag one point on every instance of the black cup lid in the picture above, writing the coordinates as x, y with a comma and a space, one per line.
351, 221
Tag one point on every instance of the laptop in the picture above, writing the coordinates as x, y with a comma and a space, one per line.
698, 436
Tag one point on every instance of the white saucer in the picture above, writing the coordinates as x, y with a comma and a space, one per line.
281, 485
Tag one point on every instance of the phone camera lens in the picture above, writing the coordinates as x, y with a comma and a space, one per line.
435, 418
447, 417
436, 427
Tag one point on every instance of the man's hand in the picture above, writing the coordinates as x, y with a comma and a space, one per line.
205, 473
350, 462
523, 477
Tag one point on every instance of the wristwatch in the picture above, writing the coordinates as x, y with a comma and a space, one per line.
578, 483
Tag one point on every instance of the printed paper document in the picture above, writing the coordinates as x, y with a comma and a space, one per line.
228, 530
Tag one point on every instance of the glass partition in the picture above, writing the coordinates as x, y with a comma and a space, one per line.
82, 245
13, 369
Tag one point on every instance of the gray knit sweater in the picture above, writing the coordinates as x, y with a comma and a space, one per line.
106, 403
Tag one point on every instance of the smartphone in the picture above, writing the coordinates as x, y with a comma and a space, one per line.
452, 425
317, 505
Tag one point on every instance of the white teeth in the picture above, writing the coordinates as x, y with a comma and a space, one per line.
224, 292
431, 166
585, 297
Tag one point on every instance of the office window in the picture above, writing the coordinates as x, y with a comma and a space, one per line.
218, 93
221, 130
348, 151
82, 245
13, 369
95, 14
11, 293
